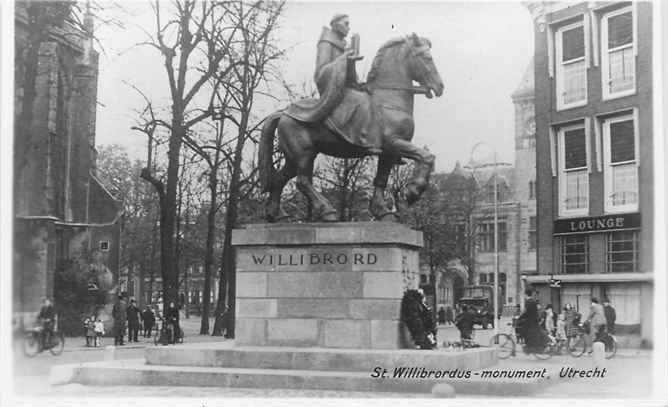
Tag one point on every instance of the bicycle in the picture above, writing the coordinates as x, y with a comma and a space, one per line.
463, 343
505, 343
34, 342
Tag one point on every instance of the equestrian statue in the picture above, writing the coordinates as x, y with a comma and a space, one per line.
352, 120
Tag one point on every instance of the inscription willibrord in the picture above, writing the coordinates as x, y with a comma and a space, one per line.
313, 259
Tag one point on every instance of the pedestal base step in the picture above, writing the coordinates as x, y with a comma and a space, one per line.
349, 360
136, 372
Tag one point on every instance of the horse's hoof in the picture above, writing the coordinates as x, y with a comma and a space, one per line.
389, 217
329, 217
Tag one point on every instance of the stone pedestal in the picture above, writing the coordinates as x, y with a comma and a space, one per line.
324, 285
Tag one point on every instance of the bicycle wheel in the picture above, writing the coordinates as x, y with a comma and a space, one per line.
576, 346
610, 347
504, 344
31, 344
58, 343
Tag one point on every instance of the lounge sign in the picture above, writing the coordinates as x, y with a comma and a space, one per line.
597, 224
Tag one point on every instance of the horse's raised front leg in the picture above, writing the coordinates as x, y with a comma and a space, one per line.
378, 205
425, 165
274, 213
322, 209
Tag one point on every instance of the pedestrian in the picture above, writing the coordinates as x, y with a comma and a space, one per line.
89, 330
549, 320
596, 320
441, 315
560, 330
464, 323
133, 321
148, 319
610, 316
571, 320
225, 320
172, 317
119, 313
99, 332
449, 315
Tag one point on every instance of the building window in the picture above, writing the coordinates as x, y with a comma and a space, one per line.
621, 164
532, 189
104, 246
618, 53
571, 66
131, 288
573, 171
532, 233
483, 278
575, 254
423, 279
486, 237
622, 252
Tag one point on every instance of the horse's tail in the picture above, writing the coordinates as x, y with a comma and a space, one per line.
265, 153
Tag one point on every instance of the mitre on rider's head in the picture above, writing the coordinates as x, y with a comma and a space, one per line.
336, 18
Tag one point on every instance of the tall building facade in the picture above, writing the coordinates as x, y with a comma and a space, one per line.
594, 142
63, 213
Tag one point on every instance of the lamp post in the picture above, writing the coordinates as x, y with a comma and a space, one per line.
495, 165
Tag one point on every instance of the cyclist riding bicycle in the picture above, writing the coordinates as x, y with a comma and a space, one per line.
47, 319
597, 320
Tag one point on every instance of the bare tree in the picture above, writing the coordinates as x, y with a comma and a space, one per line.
191, 38
347, 181
253, 54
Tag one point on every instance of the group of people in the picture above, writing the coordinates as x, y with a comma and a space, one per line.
535, 325
419, 319
135, 320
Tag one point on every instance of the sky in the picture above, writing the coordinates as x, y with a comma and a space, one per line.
480, 49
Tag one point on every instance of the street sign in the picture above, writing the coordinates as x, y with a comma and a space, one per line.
555, 283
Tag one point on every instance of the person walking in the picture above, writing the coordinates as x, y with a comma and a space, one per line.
148, 319
133, 321
89, 327
610, 316
441, 316
549, 322
172, 317
119, 313
571, 320
449, 315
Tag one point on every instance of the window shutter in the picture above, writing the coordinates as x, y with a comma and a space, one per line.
594, 35
634, 11
587, 131
550, 51
587, 50
553, 146
597, 141
636, 135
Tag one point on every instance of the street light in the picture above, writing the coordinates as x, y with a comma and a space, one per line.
495, 165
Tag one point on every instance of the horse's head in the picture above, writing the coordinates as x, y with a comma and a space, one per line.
421, 65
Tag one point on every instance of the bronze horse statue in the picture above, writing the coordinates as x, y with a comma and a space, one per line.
382, 118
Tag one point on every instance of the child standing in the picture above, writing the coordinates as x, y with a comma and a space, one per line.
561, 327
99, 331
89, 329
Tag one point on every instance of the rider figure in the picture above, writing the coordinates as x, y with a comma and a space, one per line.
331, 45
596, 320
47, 319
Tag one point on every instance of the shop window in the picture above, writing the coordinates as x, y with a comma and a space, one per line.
573, 171
618, 53
622, 252
575, 254
571, 66
621, 164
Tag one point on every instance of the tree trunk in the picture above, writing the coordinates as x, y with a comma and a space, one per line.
168, 214
208, 258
